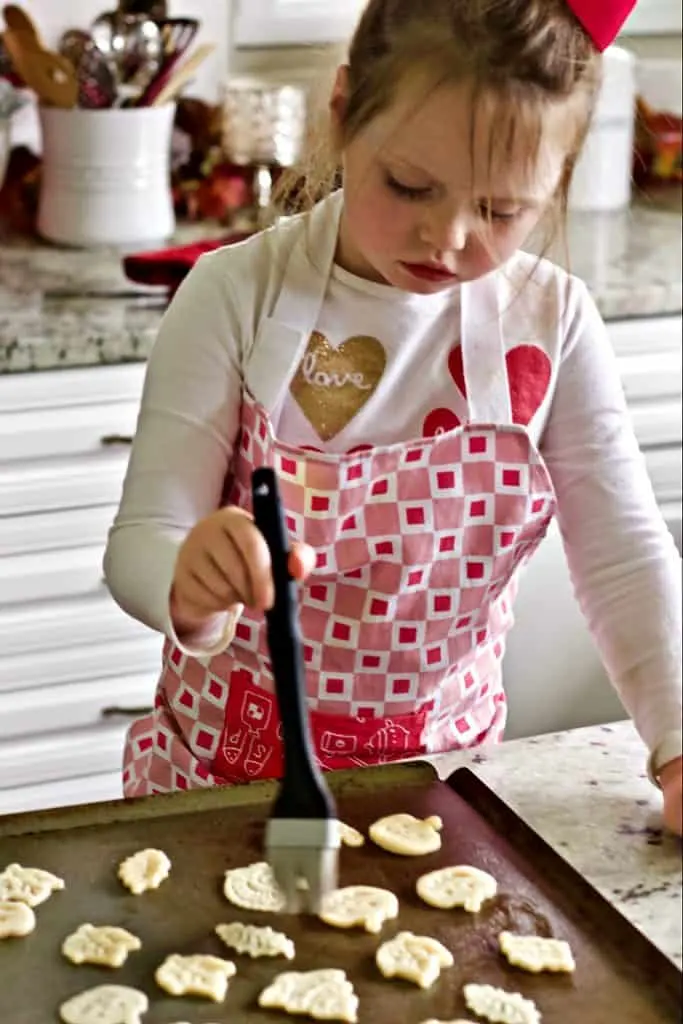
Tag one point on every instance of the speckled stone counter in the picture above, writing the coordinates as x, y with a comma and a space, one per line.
586, 793
631, 262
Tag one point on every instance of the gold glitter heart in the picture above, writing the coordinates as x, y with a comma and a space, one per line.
333, 384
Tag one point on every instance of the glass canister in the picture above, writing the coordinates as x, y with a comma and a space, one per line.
264, 124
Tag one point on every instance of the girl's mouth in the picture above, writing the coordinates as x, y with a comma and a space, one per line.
430, 272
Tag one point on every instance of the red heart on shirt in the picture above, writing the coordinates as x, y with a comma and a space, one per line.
439, 421
529, 370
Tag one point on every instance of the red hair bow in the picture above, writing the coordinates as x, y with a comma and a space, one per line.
602, 19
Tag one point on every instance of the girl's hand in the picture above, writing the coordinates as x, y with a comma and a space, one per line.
224, 561
671, 781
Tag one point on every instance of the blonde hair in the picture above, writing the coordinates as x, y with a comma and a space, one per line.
522, 55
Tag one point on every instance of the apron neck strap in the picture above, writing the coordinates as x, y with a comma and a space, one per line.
483, 350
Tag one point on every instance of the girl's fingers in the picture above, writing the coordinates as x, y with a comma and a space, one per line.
255, 556
301, 561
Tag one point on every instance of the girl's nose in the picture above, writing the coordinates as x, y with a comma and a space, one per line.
447, 232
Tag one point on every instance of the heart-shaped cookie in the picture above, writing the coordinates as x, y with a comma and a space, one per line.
332, 384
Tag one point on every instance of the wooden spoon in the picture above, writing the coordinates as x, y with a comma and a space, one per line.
183, 74
51, 76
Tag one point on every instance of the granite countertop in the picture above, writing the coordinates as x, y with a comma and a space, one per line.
586, 793
631, 262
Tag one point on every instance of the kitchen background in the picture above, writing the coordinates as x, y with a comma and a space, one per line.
74, 670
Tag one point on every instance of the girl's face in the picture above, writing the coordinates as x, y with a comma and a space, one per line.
422, 211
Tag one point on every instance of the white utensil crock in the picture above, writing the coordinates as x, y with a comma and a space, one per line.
106, 176
602, 177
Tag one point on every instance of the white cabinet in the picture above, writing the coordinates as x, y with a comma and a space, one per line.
296, 22
74, 669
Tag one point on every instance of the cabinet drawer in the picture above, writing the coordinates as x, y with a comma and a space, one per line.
38, 577
62, 388
29, 761
658, 422
652, 375
75, 705
88, 789
49, 484
67, 528
666, 472
54, 625
85, 662
76, 430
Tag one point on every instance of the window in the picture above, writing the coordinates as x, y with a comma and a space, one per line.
295, 22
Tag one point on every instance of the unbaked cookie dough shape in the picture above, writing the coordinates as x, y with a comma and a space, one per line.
325, 994
500, 1007
103, 945
407, 835
254, 941
105, 1004
459, 886
195, 975
144, 870
364, 906
253, 887
16, 919
416, 958
536, 954
31, 886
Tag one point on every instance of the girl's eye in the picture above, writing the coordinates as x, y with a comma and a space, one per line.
498, 215
406, 191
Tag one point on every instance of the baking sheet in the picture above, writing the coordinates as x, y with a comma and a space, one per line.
620, 976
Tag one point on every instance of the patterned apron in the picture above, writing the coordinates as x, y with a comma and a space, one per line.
405, 615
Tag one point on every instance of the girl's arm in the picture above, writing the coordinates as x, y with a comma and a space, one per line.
623, 561
182, 449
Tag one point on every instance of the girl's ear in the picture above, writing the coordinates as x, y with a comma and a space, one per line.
338, 103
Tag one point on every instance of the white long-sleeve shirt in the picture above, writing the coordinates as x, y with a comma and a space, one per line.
623, 561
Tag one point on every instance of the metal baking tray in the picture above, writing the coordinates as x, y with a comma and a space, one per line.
621, 977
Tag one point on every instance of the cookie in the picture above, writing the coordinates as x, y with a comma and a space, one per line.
350, 836
195, 975
105, 1004
406, 835
16, 919
364, 906
536, 954
31, 886
458, 886
322, 995
144, 870
255, 942
104, 945
500, 1007
254, 888
416, 958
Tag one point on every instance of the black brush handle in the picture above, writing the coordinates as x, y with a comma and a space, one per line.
303, 793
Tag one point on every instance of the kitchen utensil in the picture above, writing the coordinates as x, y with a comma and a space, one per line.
177, 35
17, 19
96, 82
154, 9
49, 75
10, 100
132, 46
183, 74
302, 835
621, 976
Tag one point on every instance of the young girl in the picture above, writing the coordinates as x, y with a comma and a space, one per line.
430, 397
